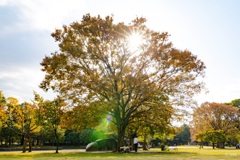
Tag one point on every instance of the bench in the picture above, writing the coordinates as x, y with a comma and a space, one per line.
125, 149
173, 148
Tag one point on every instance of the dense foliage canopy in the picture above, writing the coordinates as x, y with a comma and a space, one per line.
96, 63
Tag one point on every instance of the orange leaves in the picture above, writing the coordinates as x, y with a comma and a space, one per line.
95, 64
184, 60
57, 34
214, 117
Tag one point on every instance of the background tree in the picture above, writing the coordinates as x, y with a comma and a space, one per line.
3, 114
28, 123
211, 117
215, 137
183, 134
10, 129
200, 138
53, 113
235, 103
97, 63
23, 123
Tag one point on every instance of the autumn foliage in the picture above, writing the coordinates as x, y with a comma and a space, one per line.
216, 122
95, 64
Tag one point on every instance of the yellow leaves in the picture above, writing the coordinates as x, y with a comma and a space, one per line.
186, 61
57, 34
3, 116
49, 69
62, 103
83, 116
12, 101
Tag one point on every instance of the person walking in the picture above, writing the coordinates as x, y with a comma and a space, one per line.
135, 142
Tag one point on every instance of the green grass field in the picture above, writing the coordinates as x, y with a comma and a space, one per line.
183, 153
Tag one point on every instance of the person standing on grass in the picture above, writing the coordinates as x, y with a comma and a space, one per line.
135, 142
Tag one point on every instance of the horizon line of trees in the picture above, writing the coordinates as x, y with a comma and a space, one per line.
45, 122
40, 123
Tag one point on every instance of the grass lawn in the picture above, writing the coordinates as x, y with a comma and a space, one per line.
183, 153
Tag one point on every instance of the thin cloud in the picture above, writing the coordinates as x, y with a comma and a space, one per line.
19, 82
45, 14
212, 35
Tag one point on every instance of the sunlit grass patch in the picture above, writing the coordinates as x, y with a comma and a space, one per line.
183, 152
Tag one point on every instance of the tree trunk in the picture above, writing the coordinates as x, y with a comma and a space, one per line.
213, 145
9, 140
57, 140
145, 144
121, 133
121, 123
30, 143
221, 145
22, 140
201, 144
37, 141
24, 143
120, 140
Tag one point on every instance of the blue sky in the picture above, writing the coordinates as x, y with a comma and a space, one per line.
210, 29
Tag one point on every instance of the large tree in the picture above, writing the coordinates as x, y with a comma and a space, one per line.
97, 63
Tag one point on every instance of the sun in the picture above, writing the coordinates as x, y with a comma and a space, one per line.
135, 40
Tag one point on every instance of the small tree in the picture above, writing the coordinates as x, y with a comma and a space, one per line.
28, 121
200, 138
215, 137
236, 103
53, 113
184, 134
11, 129
3, 114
